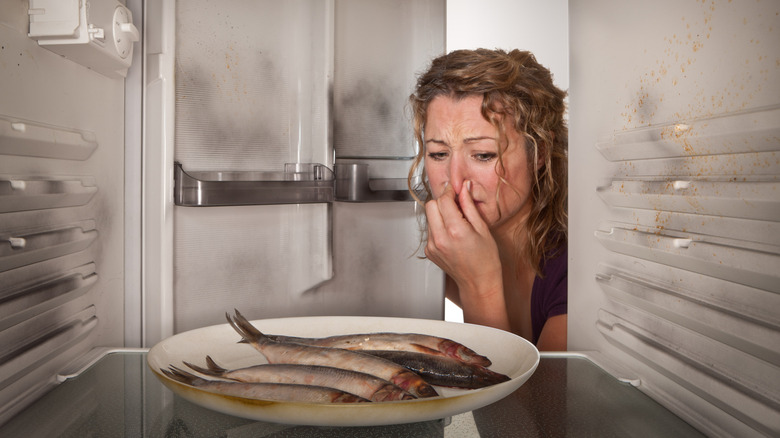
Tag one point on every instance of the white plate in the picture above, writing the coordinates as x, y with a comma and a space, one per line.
511, 355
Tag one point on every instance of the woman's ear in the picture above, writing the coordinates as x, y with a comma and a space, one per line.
541, 156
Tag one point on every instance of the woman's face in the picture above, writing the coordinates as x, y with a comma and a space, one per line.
460, 145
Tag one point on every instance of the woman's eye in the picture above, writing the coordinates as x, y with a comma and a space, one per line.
485, 157
438, 156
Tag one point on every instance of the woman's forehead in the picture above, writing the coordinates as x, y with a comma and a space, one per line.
496, 112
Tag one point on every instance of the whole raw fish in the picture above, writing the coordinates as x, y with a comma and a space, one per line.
395, 341
443, 371
266, 391
292, 353
361, 384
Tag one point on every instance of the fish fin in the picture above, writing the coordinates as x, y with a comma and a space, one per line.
213, 367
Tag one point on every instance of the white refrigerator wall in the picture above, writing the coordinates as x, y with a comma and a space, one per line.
675, 202
61, 203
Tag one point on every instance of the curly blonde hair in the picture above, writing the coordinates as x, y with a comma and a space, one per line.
514, 87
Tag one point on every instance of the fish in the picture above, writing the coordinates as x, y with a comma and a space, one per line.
266, 391
418, 342
361, 384
443, 371
292, 353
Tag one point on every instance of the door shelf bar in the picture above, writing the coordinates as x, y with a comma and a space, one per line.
297, 184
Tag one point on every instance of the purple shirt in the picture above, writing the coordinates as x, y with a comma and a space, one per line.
549, 296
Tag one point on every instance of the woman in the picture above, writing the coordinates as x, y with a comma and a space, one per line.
493, 154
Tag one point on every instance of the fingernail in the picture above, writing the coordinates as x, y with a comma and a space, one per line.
446, 183
468, 185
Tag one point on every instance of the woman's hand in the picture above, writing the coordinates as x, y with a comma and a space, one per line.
460, 243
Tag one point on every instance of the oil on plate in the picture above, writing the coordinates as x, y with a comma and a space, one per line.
510, 354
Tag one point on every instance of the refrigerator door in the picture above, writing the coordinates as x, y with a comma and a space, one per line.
674, 206
251, 88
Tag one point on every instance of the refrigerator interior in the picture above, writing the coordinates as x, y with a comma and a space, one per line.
674, 206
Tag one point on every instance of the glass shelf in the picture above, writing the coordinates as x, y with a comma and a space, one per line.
568, 395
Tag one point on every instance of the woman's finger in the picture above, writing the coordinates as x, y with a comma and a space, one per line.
448, 208
469, 210
433, 215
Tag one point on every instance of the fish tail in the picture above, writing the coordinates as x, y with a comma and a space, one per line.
213, 369
246, 329
182, 376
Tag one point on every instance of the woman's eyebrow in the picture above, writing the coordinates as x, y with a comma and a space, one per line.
465, 140
479, 138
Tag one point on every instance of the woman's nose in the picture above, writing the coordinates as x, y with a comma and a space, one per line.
457, 173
